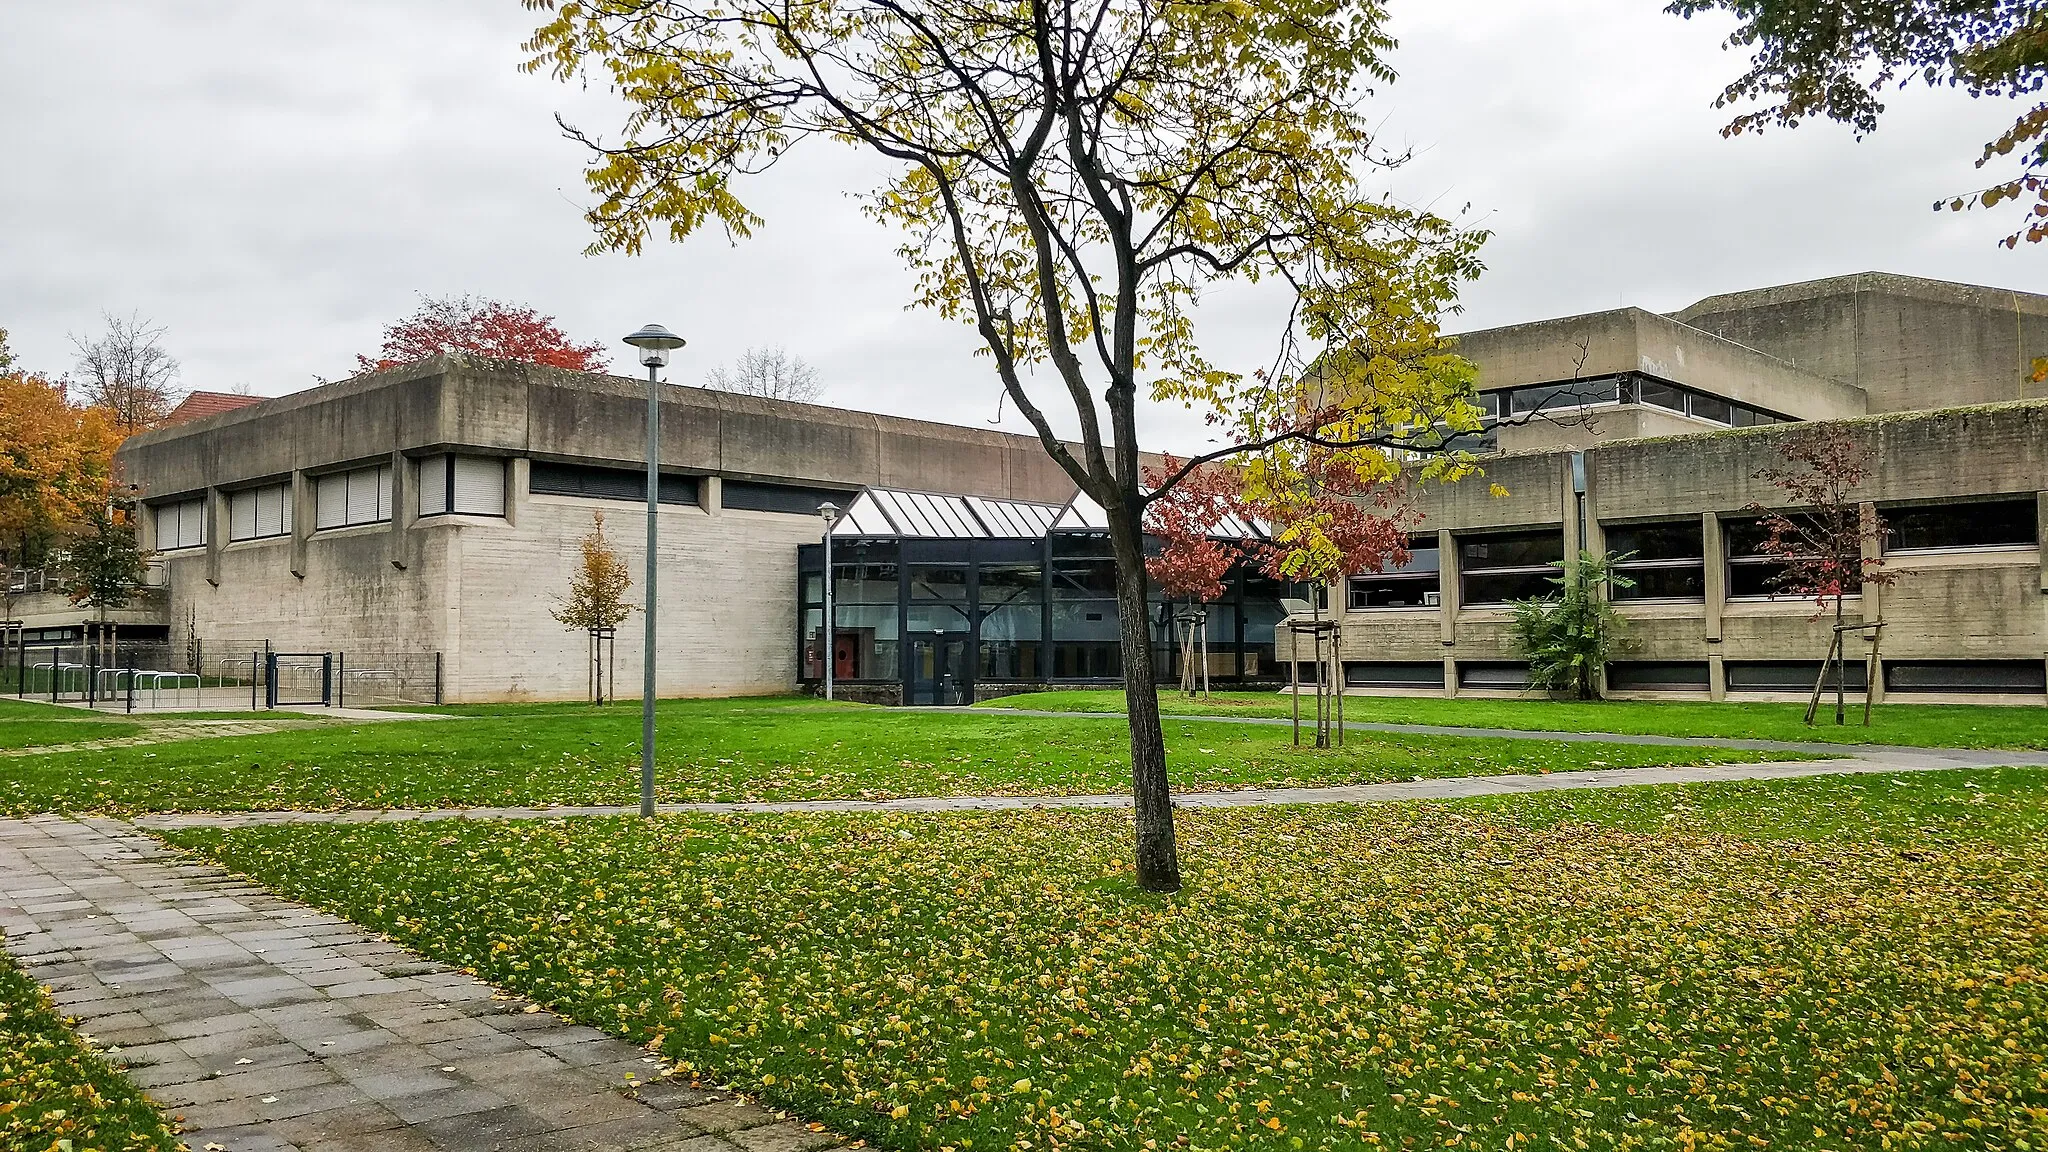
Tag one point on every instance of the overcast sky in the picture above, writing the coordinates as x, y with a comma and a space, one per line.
275, 182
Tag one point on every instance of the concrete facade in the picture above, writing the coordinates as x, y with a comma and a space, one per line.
1601, 424
1951, 608
478, 590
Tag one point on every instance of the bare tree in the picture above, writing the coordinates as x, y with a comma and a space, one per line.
769, 372
126, 371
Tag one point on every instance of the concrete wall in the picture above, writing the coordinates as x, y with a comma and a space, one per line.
1910, 343
479, 590
1988, 604
1632, 340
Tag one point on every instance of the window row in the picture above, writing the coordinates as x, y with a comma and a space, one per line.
1667, 560
1975, 677
1530, 400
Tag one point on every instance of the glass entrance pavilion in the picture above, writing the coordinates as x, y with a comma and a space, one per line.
949, 599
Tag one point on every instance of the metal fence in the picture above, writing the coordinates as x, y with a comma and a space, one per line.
216, 675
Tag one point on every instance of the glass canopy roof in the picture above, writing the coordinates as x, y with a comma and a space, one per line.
929, 515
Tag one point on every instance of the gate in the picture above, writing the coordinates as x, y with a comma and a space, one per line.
300, 679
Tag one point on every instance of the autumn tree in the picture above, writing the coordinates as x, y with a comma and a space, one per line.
1068, 179
1836, 58
769, 372
1827, 543
480, 326
126, 371
56, 461
596, 603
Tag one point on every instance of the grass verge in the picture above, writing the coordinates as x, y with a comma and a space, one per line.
55, 1093
1915, 725
733, 750
1834, 963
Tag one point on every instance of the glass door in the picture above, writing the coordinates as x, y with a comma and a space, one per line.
939, 670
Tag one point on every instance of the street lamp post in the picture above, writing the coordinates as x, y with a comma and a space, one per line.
830, 512
655, 343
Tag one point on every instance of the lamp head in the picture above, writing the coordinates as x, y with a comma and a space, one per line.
655, 343
829, 511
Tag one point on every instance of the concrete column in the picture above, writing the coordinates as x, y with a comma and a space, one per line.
1447, 604
405, 508
711, 495
305, 513
1713, 546
216, 532
1713, 555
518, 478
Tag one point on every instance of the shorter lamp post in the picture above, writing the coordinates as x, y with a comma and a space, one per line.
830, 512
654, 343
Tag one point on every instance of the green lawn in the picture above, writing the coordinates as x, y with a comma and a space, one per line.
1919, 725
737, 750
55, 1093
1831, 963
31, 723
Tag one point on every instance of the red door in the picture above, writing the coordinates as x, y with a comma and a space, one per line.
845, 656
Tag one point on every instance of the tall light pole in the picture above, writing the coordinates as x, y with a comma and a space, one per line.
830, 512
654, 343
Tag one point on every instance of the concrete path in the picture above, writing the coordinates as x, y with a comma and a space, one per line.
1449, 788
271, 1027
1816, 747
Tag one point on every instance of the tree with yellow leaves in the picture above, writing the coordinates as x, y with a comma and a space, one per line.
597, 603
1069, 179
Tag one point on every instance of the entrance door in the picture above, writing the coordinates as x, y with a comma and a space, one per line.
846, 656
939, 670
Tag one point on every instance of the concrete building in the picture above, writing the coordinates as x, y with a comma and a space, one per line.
437, 509
1631, 432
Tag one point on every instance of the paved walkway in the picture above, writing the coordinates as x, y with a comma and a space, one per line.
271, 1027
1813, 747
1448, 788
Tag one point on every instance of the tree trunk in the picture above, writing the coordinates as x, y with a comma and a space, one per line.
1158, 857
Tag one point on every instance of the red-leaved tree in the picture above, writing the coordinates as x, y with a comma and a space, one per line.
480, 326
1334, 521
1822, 541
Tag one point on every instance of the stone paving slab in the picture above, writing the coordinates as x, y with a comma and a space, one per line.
268, 1026
1446, 788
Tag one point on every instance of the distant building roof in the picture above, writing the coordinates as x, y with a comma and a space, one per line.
198, 404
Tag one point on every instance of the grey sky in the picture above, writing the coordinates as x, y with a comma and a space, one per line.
275, 182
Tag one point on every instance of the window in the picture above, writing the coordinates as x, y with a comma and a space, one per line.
1657, 676
864, 620
471, 485
1012, 621
260, 513
748, 496
1665, 561
1787, 675
1976, 524
1712, 408
1394, 674
1658, 394
181, 525
1752, 574
1416, 584
1570, 394
2024, 677
362, 496
595, 483
1506, 566
938, 598
1493, 677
